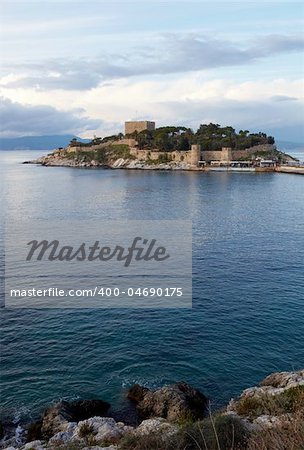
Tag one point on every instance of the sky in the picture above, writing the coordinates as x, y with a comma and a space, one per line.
86, 67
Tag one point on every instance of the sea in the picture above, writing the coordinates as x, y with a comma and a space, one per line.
247, 318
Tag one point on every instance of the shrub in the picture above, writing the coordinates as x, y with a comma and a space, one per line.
85, 430
87, 433
215, 433
219, 433
287, 436
288, 401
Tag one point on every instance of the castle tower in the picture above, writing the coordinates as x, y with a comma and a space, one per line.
131, 127
226, 154
195, 155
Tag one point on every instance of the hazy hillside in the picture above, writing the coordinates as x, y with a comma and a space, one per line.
37, 142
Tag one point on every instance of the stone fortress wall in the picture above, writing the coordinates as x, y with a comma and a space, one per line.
248, 152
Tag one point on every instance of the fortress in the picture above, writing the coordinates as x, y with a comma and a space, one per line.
196, 156
127, 147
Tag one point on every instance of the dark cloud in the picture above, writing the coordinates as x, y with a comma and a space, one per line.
276, 43
283, 98
18, 119
173, 54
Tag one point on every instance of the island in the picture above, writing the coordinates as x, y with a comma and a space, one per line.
143, 146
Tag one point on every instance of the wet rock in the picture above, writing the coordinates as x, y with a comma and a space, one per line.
137, 393
175, 402
83, 409
34, 431
56, 417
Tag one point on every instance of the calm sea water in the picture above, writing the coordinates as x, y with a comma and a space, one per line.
248, 286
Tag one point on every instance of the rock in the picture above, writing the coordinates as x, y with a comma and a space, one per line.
1, 430
175, 402
62, 437
137, 393
70, 427
10, 448
34, 431
36, 445
155, 425
284, 379
56, 417
84, 409
101, 428
273, 403
268, 421
118, 163
96, 447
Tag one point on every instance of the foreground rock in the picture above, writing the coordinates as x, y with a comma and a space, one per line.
277, 400
57, 417
55, 160
176, 402
156, 425
261, 417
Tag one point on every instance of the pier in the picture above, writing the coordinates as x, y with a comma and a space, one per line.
299, 170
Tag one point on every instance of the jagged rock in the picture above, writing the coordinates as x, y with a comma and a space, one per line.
284, 379
273, 385
56, 417
96, 447
119, 163
155, 425
137, 392
173, 402
101, 428
36, 445
268, 421
34, 431
273, 402
13, 436
62, 437
70, 427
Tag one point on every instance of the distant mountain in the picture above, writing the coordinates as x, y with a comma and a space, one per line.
38, 142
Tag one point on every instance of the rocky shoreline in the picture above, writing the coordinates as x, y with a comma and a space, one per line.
173, 417
53, 160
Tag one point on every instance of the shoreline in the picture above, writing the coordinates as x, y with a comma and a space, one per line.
275, 403
139, 165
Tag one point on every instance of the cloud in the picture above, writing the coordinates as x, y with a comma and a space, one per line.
283, 98
189, 99
168, 54
279, 44
18, 119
